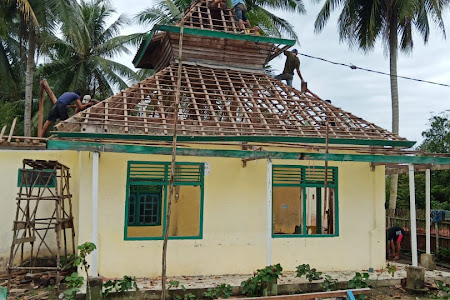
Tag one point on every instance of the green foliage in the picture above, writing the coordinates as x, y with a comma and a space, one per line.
84, 250
303, 270
81, 55
359, 281
254, 285
120, 285
311, 274
391, 269
442, 286
189, 296
73, 282
444, 254
437, 140
329, 284
220, 291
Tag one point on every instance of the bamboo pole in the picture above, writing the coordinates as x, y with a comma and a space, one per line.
172, 167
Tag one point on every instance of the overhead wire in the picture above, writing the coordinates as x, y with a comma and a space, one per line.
353, 67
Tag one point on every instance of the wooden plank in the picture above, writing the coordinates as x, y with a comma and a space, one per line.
11, 131
2, 133
339, 293
29, 239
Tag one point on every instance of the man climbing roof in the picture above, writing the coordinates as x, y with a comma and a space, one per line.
292, 63
59, 109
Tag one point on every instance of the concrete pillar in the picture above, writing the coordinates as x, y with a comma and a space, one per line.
96, 287
427, 259
415, 278
94, 254
412, 209
269, 214
428, 210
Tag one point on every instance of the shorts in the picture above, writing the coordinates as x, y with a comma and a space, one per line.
400, 238
240, 11
58, 111
285, 76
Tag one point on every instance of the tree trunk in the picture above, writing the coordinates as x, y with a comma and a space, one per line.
29, 75
393, 50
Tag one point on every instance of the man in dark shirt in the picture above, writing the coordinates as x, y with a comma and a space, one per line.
59, 109
292, 63
395, 235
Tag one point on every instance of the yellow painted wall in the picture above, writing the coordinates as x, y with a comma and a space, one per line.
10, 162
234, 223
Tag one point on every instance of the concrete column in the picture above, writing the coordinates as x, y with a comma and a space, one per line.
269, 214
428, 210
95, 159
412, 209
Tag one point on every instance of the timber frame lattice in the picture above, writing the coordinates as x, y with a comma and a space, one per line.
43, 215
221, 102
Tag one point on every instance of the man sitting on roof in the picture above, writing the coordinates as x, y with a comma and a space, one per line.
240, 10
292, 63
59, 109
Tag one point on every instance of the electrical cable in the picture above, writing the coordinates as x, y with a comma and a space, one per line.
353, 67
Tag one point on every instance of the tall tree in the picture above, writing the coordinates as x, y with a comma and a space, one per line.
363, 22
170, 12
38, 17
10, 60
82, 58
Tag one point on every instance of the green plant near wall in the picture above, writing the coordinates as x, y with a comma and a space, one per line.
73, 282
120, 285
359, 281
310, 273
329, 284
220, 291
262, 279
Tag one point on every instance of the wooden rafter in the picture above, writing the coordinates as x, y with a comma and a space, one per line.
222, 102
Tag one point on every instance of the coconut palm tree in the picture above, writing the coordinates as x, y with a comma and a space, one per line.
82, 57
170, 12
37, 17
10, 60
363, 22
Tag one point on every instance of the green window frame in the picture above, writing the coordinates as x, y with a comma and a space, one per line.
41, 182
144, 205
307, 177
152, 178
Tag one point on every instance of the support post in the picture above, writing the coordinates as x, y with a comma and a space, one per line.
412, 209
428, 210
95, 159
269, 214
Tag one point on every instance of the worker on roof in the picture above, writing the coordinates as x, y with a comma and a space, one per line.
292, 63
240, 10
59, 109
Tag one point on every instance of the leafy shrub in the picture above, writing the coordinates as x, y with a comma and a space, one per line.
359, 281
311, 274
254, 285
120, 285
329, 284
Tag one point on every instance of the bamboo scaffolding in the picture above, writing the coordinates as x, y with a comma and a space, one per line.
41, 181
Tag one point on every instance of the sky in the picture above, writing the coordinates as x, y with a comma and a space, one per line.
366, 95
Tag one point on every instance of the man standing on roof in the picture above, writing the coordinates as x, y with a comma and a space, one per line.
292, 63
240, 10
59, 109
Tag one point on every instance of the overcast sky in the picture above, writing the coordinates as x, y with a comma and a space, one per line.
367, 95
